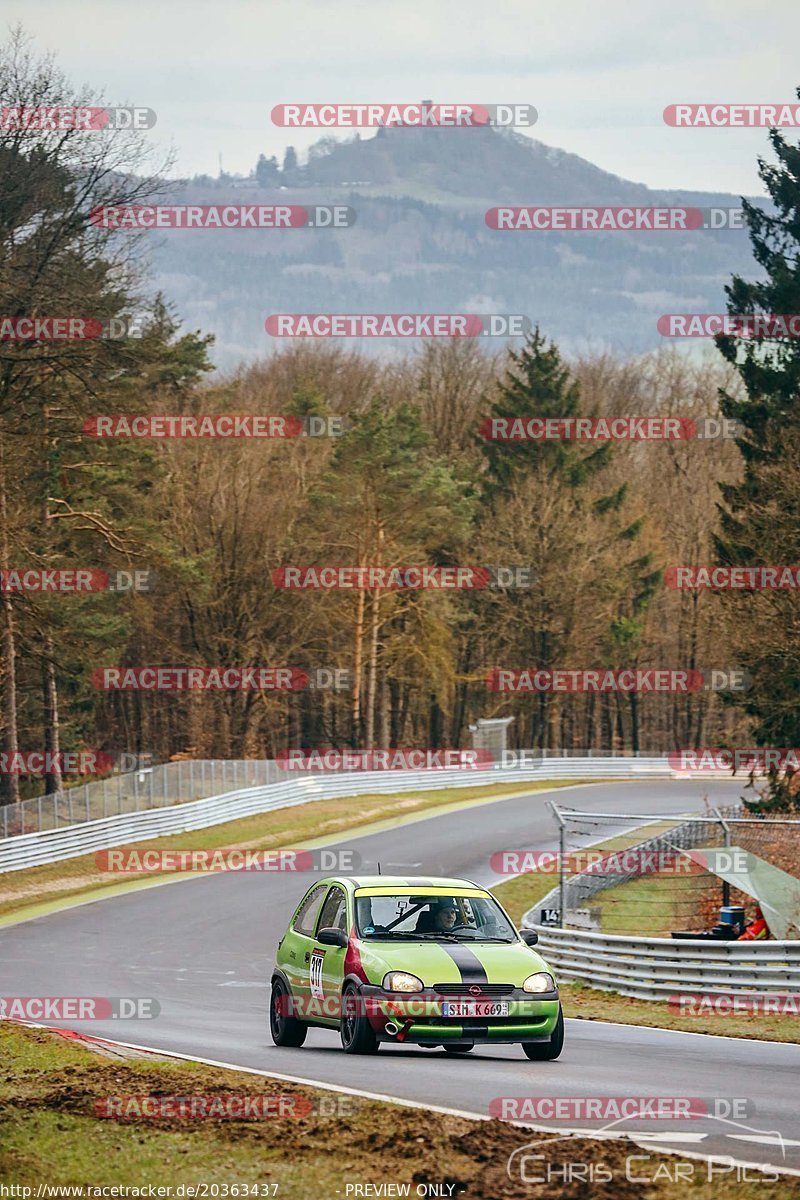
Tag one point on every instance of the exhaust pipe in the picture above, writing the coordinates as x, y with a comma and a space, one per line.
392, 1028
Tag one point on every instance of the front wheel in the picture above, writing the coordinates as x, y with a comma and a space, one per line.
545, 1051
458, 1047
285, 1029
358, 1036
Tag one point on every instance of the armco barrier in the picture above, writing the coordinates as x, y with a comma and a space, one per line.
141, 787
53, 845
659, 968
146, 786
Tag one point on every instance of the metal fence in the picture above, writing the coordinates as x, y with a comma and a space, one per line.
195, 779
136, 791
119, 828
680, 897
659, 968
575, 890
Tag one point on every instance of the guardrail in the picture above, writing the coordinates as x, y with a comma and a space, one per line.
179, 782
660, 968
136, 791
53, 845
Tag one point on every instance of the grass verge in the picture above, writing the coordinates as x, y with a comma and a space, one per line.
591, 1004
50, 1134
656, 904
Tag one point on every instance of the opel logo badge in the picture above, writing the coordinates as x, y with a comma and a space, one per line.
475, 990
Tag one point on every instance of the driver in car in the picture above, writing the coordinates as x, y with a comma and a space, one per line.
445, 916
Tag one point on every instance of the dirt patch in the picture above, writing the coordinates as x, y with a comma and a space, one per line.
48, 1082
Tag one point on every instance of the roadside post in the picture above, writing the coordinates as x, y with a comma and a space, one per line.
562, 862
726, 836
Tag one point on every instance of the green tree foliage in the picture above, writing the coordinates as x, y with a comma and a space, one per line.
569, 517
408, 483
760, 511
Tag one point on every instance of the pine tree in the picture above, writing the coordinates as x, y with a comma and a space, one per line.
291, 169
549, 499
267, 173
538, 384
760, 514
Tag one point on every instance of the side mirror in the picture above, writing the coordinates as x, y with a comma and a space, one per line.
529, 936
332, 937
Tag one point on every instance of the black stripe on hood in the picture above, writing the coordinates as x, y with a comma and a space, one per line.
468, 963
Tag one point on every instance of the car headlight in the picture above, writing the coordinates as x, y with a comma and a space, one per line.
402, 981
540, 982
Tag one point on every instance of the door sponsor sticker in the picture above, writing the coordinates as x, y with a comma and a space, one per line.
315, 973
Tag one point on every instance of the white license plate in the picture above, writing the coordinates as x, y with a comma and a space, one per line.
475, 1008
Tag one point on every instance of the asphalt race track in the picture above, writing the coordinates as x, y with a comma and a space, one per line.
204, 949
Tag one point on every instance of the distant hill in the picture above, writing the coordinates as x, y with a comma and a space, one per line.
420, 244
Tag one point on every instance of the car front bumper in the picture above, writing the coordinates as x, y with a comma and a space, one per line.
419, 1017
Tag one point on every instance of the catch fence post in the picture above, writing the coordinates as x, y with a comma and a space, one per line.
726, 841
562, 864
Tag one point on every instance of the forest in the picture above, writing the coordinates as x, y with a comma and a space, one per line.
388, 465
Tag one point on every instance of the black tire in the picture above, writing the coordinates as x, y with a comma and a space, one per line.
355, 1030
458, 1047
546, 1051
285, 1029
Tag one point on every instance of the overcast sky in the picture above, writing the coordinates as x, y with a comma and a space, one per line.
600, 75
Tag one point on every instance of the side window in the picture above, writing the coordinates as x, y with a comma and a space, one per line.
306, 917
334, 910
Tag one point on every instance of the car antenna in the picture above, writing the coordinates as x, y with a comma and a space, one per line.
379, 868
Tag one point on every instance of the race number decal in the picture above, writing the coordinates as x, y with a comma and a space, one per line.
315, 973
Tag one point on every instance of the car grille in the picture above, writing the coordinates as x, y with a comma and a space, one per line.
462, 990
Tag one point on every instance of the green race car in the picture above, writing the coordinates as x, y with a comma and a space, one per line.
430, 962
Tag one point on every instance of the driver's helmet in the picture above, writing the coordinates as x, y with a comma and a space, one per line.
445, 904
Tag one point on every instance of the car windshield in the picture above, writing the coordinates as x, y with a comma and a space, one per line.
416, 916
